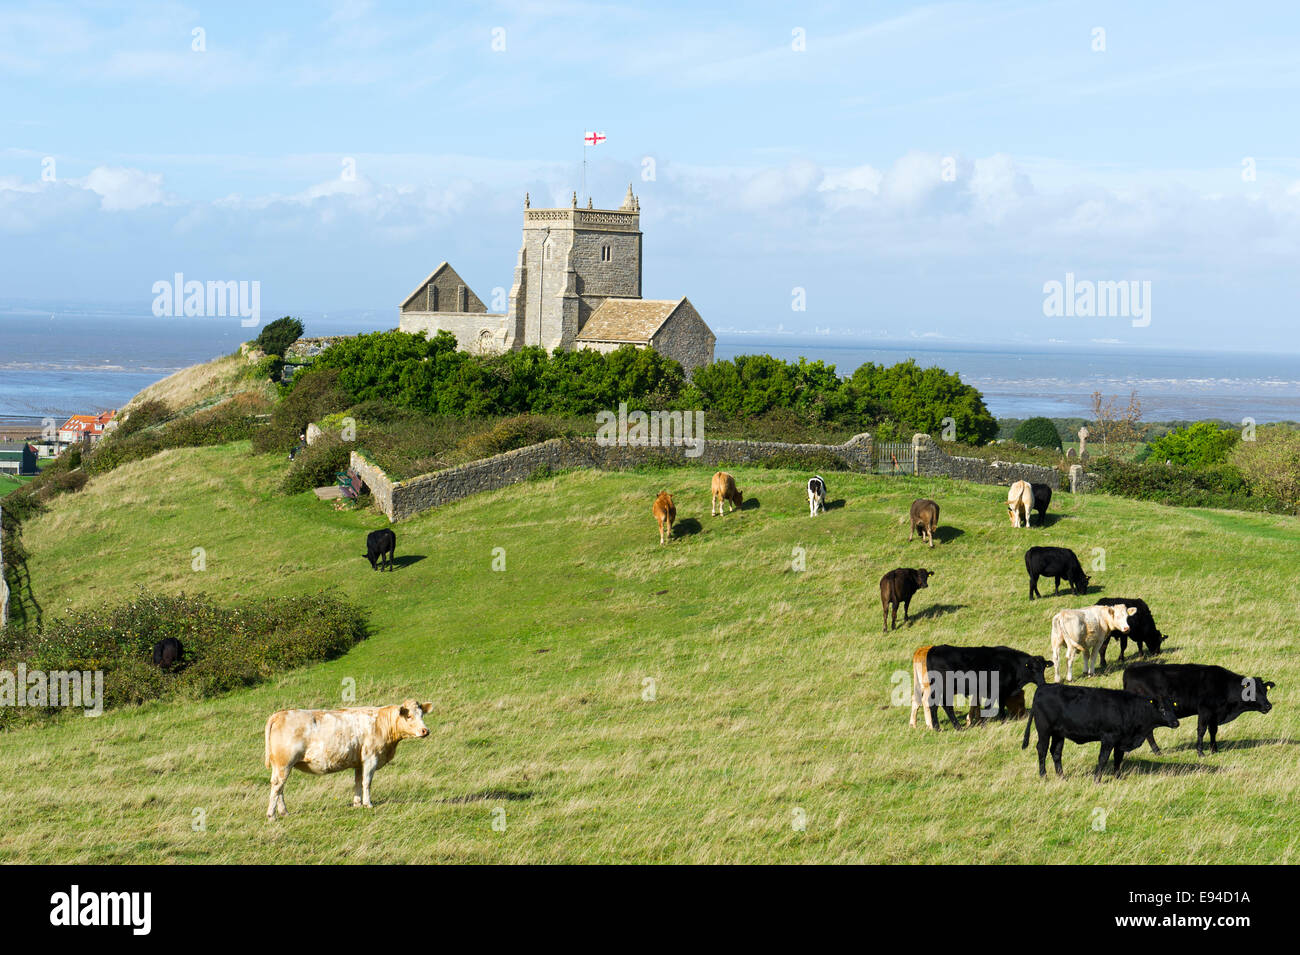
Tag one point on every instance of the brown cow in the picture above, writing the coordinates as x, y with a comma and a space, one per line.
665, 513
924, 517
898, 586
1020, 501
724, 489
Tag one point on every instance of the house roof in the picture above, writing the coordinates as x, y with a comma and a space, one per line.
628, 319
442, 267
88, 422
15, 447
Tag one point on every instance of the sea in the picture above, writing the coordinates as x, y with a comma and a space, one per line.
58, 359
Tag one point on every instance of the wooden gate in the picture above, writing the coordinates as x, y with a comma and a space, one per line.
892, 457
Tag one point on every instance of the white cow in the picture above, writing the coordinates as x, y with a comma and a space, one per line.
1085, 631
1020, 500
360, 738
816, 495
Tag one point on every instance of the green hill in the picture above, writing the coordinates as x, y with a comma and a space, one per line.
772, 688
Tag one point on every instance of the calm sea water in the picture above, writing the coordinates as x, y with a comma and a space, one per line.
58, 361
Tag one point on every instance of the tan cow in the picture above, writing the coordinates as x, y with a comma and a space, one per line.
665, 513
1020, 501
923, 517
724, 489
1085, 631
360, 738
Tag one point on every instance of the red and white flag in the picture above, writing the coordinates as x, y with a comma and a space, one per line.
593, 139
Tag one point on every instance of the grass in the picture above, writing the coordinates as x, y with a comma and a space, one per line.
12, 482
772, 688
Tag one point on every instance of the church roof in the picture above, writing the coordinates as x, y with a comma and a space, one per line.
443, 267
628, 319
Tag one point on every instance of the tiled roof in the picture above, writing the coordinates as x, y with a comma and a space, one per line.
627, 319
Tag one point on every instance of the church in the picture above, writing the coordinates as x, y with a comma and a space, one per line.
577, 284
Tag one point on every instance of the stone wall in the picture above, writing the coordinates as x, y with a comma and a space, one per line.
931, 460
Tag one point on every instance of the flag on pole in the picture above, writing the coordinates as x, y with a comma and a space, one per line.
593, 139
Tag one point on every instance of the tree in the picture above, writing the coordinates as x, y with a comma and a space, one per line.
1197, 446
1113, 425
279, 335
1038, 433
1271, 464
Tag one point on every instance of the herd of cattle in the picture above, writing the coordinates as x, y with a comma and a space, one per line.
993, 680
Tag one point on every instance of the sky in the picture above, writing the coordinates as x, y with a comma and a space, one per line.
882, 170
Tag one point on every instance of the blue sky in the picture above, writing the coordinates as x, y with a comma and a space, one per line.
774, 167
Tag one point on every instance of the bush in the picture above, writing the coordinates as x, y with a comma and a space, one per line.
277, 336
1038, 433
225, 647
1200, 445
314, 394
1271, 465
266, 368
317, 465
144, 415
1219, 486
517, 432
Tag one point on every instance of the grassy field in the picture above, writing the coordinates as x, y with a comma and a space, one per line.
771, 688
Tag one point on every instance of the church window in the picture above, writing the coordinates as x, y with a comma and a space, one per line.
606, 253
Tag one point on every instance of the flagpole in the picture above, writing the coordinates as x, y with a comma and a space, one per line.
584, 162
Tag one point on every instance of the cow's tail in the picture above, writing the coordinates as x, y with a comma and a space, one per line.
266, 740
1029, 724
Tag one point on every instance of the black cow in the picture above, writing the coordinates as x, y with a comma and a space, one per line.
1042, 497
1120, 721
994, 674
897, 587
1058, 563
1141, 627
167, 653
381, 545
1214, 694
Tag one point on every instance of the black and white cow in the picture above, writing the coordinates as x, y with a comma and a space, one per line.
816, 495
1216, 695
1119, 720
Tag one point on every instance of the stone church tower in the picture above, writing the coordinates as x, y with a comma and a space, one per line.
571, 260
577, 284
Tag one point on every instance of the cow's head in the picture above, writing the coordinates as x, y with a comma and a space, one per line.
1163, 711
1033, 670
738, 499
1153, 641
371, 558
922, 577
1254, 693
1119, 618
410, 719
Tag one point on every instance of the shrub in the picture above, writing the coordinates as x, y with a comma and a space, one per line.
1038, 433
266, 368
1271, 465
144, 415
1219, 486
1202, 444
316, 465
315, 393
517, 432
278, 335
225, 647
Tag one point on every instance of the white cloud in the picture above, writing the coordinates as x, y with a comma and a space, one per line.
120, 188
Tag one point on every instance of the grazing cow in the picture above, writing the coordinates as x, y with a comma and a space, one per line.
1020, 499
898, 586
167, 653
1059, 563
1042, 497
724, 489
816, 495
665, 513
360, 738
1141, 627
1120, 721
1085, 631
1214, 694
923, 517
996, 674
380, 547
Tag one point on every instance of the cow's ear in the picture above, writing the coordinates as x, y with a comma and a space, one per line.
1131, 610
426, 707
1269, 685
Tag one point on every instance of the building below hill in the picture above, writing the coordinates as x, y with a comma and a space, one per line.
577, 284
17, 457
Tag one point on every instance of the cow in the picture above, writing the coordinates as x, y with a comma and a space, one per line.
380, 547
360, 738
898, 586
1120, 721
1042, 497
1020, 499
724, 489
996, 674
665, 513
923, 517
168, 653
1084, 631
1216, 695
1141, 627
816, 495
1059, 563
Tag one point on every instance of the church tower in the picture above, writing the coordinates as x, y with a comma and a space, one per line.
570, 261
